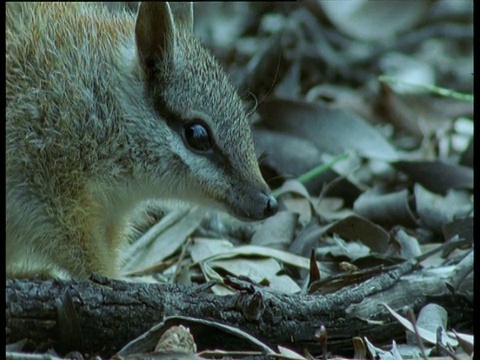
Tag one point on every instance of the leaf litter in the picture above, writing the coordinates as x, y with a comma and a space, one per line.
317, 89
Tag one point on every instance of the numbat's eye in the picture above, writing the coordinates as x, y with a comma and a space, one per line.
198, 137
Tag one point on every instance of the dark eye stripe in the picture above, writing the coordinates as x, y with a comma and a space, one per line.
177, 124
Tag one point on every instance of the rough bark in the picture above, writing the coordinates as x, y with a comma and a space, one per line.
100, 317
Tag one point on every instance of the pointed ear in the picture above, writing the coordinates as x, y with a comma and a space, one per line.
183, 14
154, 34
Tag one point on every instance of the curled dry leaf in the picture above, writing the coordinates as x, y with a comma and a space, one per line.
409, 246
282, 256
462, 227
204, 331
303, 205
424, 334
307, 239
331, 130
366, 20
431, 317
257, 263
419, 115
357, 228
205, 248
437, 176
164, 239
435, 210
387, 209
287, 154
288, 354
276, 232
257, 270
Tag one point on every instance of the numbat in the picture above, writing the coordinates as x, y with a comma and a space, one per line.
105, 111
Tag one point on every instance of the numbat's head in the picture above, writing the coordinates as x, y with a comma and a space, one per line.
192, 134
103, 112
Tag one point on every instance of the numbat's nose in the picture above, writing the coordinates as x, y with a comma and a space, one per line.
256, 206
271, 206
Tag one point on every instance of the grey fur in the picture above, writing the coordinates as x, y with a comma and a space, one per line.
87, 143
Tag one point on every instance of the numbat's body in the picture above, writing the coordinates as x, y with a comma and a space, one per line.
105, 111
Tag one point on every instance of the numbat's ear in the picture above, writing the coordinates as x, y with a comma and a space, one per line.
183, 15
155, 34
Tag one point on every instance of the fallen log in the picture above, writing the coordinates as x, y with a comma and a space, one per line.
101, 316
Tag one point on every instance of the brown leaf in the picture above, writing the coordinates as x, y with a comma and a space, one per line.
276, 232
357, 228
387, 209
366, 20
437, 176
436, 210
331, 130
